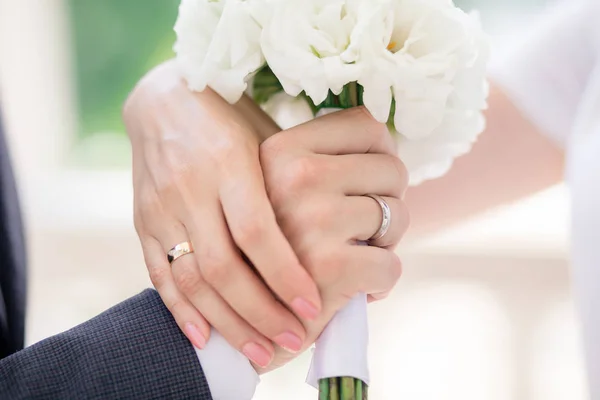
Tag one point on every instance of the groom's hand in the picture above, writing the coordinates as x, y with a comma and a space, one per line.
317, 176
197, 178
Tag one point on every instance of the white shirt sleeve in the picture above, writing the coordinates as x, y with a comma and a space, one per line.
228, 372
546, 74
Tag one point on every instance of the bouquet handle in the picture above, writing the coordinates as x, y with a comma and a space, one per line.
341, 350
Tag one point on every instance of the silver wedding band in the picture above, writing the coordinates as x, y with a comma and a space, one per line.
386, 219
178, 251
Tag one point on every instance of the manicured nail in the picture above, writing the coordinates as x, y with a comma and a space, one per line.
304, 308
194, 335
289, 341
257, 354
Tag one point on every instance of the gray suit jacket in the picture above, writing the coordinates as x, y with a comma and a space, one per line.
135, 350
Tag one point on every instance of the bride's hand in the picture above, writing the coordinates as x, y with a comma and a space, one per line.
197, 178
317, 176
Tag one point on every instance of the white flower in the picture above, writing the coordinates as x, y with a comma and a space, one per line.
432, 157
413, 50
288, 111
304, 43
218, 44
431, 58
427, 56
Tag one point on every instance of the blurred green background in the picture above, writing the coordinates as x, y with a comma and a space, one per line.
117, 41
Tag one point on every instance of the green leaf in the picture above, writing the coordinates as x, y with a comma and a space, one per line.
265, 85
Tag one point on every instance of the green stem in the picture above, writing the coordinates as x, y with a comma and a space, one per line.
353, 91
334, 393
344, 388
347, 388
358, 390
324, 389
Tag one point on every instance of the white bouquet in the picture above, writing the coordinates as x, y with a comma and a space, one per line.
417, 65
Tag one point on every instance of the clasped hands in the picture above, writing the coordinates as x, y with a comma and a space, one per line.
274, 216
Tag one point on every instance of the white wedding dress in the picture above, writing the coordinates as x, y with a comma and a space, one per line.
554, 77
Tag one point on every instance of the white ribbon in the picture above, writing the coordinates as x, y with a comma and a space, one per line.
341, 350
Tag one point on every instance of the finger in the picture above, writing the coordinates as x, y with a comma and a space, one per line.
238, 333
253, 226
360, 174
365, 216
222, 266
188, 318
203, 297
371, 270
349, 131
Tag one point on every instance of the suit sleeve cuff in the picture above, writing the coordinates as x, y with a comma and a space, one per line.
229, 374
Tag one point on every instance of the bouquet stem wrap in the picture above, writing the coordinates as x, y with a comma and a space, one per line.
341, 351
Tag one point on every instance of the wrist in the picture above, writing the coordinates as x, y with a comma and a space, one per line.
148, 100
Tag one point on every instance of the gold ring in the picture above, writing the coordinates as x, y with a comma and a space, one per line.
178, 251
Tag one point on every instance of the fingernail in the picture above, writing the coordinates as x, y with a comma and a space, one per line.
304, 308
258, 354
289, 342
194, 335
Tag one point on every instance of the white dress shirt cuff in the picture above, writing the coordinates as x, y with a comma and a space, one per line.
229, 374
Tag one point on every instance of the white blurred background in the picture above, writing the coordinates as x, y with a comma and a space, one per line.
484, 310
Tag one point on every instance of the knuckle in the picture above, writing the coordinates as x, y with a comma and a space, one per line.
158, 276
396, 268
373, 127
361, 113
398, 174
386, 269
249, 230
271, 147
215, 270
401, 171
188, 276
299, 174
393, 273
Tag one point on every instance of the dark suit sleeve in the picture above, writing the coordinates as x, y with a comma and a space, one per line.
135, 350
12, 259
